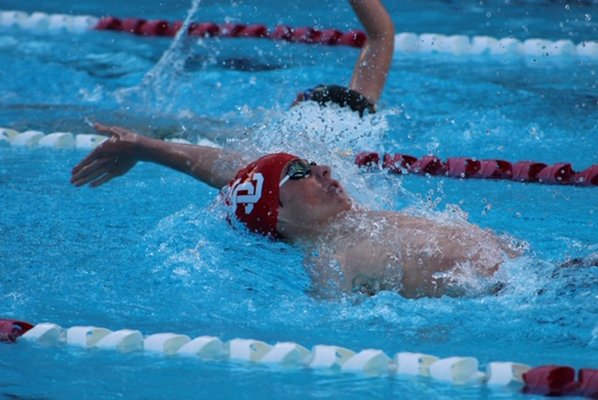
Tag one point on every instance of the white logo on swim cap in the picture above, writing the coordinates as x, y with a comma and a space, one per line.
253, 195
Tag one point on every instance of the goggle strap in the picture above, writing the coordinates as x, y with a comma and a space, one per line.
284, 180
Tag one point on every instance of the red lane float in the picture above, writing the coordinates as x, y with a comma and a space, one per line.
462, 167
142, 27
11, 329
556, 380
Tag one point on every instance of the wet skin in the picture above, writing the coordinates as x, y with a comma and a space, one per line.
368, 251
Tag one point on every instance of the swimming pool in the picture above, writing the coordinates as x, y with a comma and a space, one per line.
151, 251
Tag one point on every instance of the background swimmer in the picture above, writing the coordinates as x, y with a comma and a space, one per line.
371, 69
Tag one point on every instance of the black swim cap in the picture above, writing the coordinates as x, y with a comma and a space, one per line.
344, 97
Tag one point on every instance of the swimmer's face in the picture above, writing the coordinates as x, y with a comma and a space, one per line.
309, 195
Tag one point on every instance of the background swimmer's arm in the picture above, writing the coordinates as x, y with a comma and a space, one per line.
117, 155
371, 69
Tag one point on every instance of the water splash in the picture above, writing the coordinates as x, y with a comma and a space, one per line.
159, 85
330, 136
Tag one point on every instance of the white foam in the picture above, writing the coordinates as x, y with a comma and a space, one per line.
178, 140
208, 143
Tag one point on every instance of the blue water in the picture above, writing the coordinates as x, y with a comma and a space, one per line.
151, 251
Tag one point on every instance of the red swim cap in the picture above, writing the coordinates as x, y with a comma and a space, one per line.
254, 192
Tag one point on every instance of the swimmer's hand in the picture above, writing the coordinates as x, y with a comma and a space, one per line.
113, 157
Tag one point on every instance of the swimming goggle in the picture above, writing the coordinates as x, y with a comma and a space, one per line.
298, 169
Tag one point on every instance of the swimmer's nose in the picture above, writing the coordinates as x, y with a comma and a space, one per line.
321, 171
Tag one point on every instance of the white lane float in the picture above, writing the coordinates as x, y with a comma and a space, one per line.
6, 135
123, 340
247, 349
414, 363
329, 357
458, 370
46, 333
165, 343
29, 138
506, 373
58, 140
286, 354
85, 336
370, 362
68, 140
335, 359
207, 347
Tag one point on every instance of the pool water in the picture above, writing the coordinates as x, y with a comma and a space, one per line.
151, 251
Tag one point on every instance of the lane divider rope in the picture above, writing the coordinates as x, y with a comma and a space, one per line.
64, 140
405, 42
455, 167
547, 380
462, 167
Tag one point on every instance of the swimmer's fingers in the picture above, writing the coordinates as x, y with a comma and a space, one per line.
107, 177
89, 159
113, 157
117, 146
98, 178
112, 130
89, 171
102, 129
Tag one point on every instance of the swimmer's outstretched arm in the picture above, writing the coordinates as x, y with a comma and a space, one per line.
371, 69
117, 155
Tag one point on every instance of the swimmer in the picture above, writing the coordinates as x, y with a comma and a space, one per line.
288, 198
371, 69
